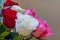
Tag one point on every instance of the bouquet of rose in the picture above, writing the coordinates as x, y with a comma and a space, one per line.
20, 24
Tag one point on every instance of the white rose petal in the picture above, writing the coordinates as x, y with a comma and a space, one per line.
15, 7
25, 23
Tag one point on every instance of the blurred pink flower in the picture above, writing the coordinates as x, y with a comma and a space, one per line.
43, 30
30, 11
38, 18
49, 30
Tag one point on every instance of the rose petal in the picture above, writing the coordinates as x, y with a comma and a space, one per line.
30, 11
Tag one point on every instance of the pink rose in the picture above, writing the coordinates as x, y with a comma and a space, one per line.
43, 30
30, 11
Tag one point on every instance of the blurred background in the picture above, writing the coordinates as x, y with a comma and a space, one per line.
48, 10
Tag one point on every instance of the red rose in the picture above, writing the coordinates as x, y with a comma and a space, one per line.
9, 3
9, 17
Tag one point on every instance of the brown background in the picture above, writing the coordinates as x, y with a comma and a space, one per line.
46, 9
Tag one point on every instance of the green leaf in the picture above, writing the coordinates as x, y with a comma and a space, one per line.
3, 31
13, 36
4, 34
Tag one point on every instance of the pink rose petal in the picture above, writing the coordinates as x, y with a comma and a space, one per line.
30, 11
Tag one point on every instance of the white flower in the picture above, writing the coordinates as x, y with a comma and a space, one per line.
16, 7
25, 23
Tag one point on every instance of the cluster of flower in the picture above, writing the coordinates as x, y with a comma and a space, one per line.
24, 21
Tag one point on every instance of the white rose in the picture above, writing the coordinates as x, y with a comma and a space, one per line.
25, 24
17, 8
